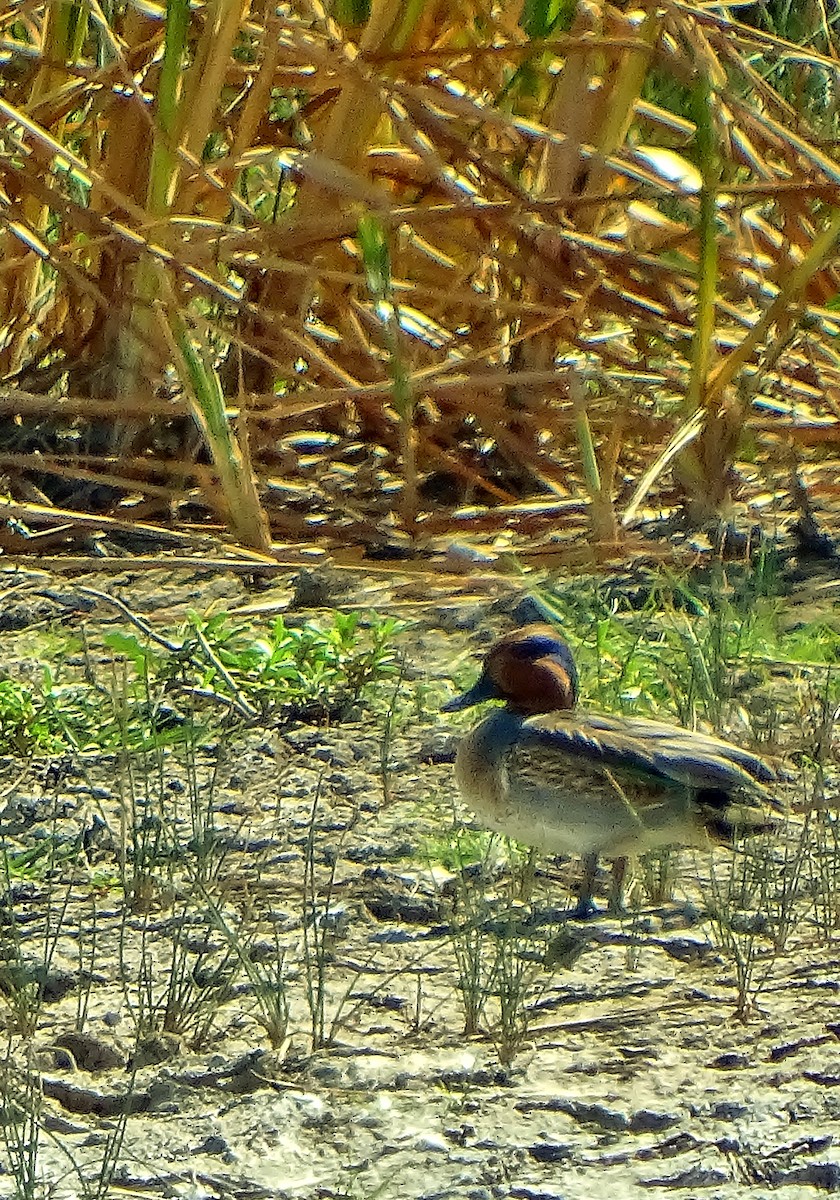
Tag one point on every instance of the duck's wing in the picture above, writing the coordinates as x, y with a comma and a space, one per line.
682, 741
649, 748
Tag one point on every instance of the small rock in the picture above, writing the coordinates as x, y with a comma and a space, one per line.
685, 949
412, 910
646, 1121
432, 1142
680, 1143
327, 1074
824, 1078
455, 618
551, 1152
731, 1061
329, 754
824, 1175
315, 589
695, 1177
53, 983
214, 1145
594, 1114
461, 1135
728, 1110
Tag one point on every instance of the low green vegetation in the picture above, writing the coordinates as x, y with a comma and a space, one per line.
24, 724
210, 669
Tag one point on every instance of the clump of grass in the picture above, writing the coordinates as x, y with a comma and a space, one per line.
268, 978
21, 1128
517, 970
198, 977
756, 899
172, 857
657, 874
323, 925
505, 952
474, 969
27, 951
824, 872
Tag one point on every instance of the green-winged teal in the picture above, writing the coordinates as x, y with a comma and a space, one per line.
575, 782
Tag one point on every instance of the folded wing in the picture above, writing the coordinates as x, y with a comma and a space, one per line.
637, 747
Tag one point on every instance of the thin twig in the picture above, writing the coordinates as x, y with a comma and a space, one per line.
138, 622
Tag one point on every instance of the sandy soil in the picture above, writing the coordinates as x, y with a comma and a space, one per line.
630, 1073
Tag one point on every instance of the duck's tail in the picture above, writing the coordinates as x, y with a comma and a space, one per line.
729, 818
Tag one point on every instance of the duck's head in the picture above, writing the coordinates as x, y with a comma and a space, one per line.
531, 668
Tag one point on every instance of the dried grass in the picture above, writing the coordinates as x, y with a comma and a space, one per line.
592, 296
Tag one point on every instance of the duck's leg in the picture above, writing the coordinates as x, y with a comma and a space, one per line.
586, 906
619, 872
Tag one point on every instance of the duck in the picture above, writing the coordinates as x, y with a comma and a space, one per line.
567, 781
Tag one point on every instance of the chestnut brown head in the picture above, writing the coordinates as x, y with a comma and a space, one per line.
532, 669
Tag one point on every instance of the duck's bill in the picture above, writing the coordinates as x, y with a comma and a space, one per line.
483, 690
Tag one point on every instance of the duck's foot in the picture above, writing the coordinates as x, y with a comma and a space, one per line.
584, 910
586, 907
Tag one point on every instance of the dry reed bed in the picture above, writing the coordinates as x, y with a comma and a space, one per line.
319, 280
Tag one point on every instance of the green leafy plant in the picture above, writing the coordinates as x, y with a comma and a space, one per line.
305, 670
211, 669
24, 724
